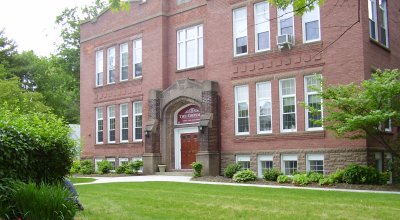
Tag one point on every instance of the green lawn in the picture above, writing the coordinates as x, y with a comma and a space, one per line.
81, 180
167, 200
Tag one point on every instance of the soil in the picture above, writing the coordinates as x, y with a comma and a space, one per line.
391, 187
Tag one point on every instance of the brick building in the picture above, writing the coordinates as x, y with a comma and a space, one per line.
222, 81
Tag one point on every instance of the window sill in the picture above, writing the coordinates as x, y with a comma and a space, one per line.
303, 135
379, 44
189, 69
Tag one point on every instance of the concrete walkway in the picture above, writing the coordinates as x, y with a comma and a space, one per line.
186, 179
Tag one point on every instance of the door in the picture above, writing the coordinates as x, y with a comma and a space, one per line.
189, 148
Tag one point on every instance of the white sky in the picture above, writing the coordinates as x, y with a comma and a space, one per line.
31, 23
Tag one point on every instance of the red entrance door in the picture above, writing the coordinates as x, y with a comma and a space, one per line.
189, 148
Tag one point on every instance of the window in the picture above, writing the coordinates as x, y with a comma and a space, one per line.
111, 124
242, 110
240, 31
312, 86
137, 121
315, 163
137, 58
378, 161
373, 24
112, 162
383, 37
285, 21
190, 47
388, 125
99, 125
261, 22
124, 122
96, 161
311, 25
287, 94
124, 61
289, 164
244, 161
122, 161
111, 65
99, 68
389, 166
265, 162
264, 108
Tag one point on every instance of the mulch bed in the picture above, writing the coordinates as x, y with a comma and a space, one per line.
393, 187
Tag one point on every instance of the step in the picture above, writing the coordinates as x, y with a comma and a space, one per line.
176, 173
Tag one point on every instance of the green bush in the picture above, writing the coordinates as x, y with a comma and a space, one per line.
244, 176
358, 174
326, 181
337, 176
197, 167
136, 165
283, 179
104, 166
271, 174
86, 167
33, 201
76, 167
315, 177
231, 169
300, 179
122, 168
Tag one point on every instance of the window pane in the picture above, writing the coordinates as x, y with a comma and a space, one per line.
138, 69
312, 30
290, 167
182, 56
200, 50
263, 40
243, 125
191, 53
317, 166
241, 45
289, 121
265, 123
287, 26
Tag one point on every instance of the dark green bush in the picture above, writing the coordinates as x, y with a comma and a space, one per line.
283, 179
231, 169
271, 174
122, 168
33, 201
315, 176
300, 179
244, 176
104, 166
86, 167
197, 167
358, 174
136, 165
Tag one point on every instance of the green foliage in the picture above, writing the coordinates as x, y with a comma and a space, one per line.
314, 176
32, 201
8, 49
197, 167
136, 165
231, 169
122, 168
76, 167
244, 176
104, 166
300, 179
86, 167
337, 176
326, 181
358, 174
271, 174
283, 179
299, 6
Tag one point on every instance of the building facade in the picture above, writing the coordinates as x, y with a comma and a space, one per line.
223, 81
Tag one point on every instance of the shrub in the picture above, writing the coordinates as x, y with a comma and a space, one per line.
271, 174
326, 181
76, 167
136, 165
358, 174
300, 179
122, 168
33, 201
283, 179
197, 167
86, 167
244, 176
315, 176
231, 169
104, 166
337, 176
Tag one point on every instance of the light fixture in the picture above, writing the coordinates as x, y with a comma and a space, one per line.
147, 133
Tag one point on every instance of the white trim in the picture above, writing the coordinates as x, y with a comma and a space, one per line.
284, 14
177, 135
198, 52
134, 114
97, 124
258, 99
263, 158
372, 15
306, 93
121, 116
121, 52
314, 157
281, 97
385, 23
110, 59
109, 117
121, 160
136, 59
245, 34
311, 16
99, 67
236, 110
288, 157
259, 23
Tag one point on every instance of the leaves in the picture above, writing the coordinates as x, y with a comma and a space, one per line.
299, 6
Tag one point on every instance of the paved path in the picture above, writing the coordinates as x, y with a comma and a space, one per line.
186, 179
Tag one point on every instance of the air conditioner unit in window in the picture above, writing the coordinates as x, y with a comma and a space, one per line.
285, 40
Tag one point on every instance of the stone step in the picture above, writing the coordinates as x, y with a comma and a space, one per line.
188, 172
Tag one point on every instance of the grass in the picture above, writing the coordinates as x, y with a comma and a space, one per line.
167, 200
81, 180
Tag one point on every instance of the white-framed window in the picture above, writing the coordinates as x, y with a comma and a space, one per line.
286, 21
261, 23
137, 121
139, 159
99, 68
242, 110
373, 23
388, 125
244, 161
389, 164
111, 123
111, 65
315, 163
311, 25
287, 95
190, 47
312, 86
383, 23
123, 62
264, 107
122, 161
123, 112
265, 162
378, 161
137, 58
99, 125
112, 162
240, 31
96, 163
289, 164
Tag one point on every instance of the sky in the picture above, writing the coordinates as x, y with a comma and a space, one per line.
31, 23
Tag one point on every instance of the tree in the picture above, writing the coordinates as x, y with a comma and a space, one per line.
8, 49
363, 111
299, 6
